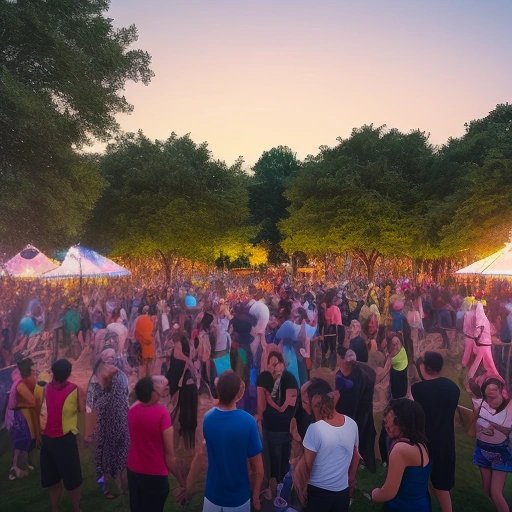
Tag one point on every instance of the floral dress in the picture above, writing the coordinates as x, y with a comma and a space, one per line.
111, 433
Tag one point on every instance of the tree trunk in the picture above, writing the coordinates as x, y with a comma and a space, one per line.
166, 264
369, 261
416, 267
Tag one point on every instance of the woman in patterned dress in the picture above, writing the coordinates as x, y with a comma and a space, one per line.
107, 400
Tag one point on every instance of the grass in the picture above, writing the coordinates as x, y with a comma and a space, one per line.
27, 494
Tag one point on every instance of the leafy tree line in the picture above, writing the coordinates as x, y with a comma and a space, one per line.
378, 193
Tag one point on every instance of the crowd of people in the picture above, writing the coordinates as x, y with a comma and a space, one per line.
270, 387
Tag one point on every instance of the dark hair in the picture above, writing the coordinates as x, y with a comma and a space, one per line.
228, 387
409, 416
206, 321
144, 389
322, 388
341, 351
277, 355
61, 370
25, 367
489, 381
433, 362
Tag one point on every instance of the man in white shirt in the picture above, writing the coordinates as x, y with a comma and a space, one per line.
259, 310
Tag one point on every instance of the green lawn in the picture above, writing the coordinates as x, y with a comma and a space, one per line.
27, 494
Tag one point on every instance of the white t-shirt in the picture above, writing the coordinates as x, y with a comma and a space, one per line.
222, 338
260, 310
122, 334
334, 447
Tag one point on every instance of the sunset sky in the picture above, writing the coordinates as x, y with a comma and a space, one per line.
246, 75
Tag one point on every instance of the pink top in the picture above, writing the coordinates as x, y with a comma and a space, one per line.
146, 424
333, 315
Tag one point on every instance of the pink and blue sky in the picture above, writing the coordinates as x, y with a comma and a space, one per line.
248, 75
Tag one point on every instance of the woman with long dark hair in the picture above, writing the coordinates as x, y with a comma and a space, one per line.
406, 485
183, 378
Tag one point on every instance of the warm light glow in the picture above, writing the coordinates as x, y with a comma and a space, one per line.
247, 76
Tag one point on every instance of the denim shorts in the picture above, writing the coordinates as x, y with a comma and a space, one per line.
493, 456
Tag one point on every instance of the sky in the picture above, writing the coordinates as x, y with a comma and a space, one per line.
246, 76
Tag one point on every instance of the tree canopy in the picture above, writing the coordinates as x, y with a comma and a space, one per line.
358, 196
170, 197
63, 67
267, 202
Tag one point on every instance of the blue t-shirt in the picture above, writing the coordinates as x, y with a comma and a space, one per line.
231, 438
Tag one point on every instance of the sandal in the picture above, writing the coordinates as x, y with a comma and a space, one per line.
110, 496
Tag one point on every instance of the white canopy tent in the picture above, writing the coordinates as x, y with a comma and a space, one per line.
498, 264
86, 263
29, 263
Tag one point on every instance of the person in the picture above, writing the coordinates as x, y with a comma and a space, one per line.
439, 398
144, 335
203, 347
151, 452
406, 485
330, 454
493, 417
233, 447
482, 343
59, 458
5, 343
261, 314
277, 391
121, 332
183, 378
355, 383
334, 331
22, 418
298, 428
107, 398
357, 343
399, 363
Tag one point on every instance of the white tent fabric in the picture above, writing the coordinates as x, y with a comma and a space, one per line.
83, 262
29, 263
497, 264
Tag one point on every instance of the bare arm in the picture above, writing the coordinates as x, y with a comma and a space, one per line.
352, 469
308, 460
27, 395
261, 402
197, 467
397, 465
256, 474
290, 399
170, 459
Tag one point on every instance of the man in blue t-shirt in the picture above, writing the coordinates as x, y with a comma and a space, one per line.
232, 439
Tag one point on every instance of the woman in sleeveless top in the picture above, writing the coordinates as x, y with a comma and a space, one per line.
406, 485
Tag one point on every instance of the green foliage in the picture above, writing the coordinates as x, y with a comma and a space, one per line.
267, 202
63, 67
476, 191
358, 196
172, 197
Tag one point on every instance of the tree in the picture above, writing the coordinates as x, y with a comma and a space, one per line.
63, 67
359, 196
170, 198
477, 207
267, 202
